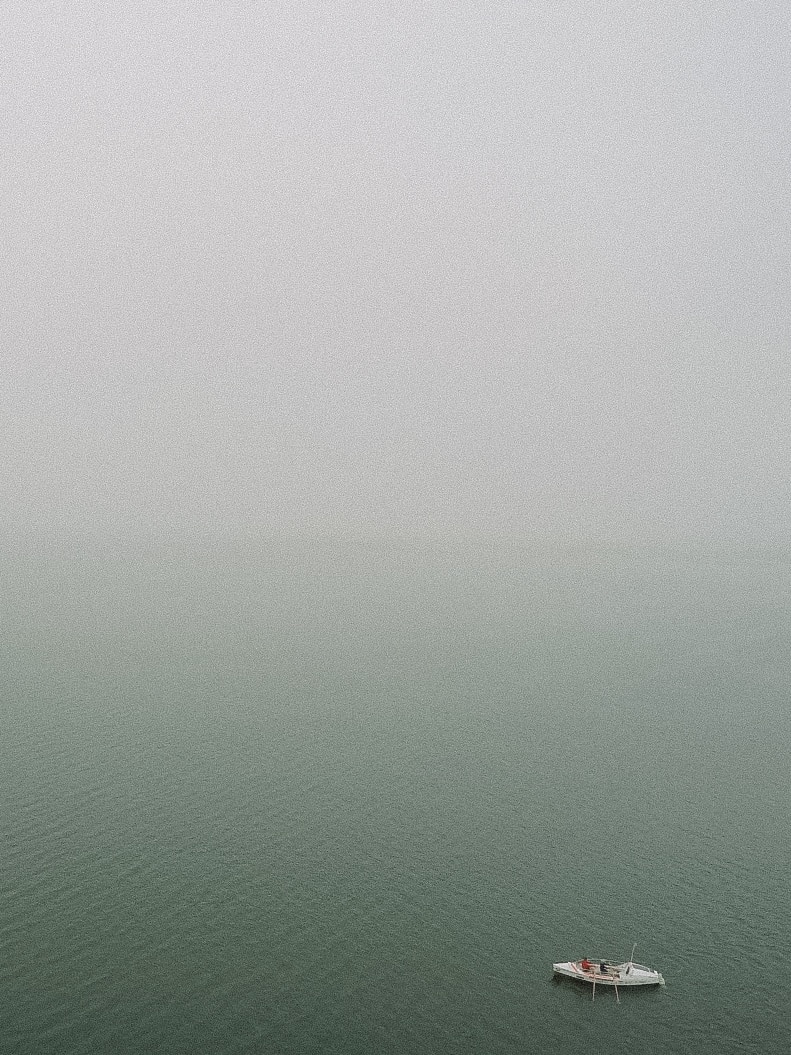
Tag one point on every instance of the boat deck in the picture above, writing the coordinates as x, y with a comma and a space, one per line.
615, 974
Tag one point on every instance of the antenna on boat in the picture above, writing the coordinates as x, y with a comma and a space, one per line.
631, 954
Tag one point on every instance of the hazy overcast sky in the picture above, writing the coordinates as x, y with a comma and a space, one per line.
396, 267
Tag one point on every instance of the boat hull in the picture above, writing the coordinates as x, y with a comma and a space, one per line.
624, 975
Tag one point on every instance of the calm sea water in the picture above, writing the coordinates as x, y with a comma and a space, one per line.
326, 799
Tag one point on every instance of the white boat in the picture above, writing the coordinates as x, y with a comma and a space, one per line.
607, 972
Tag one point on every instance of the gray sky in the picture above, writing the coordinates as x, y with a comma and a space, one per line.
374, 267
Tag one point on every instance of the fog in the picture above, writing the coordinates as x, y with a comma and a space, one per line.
362, 269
